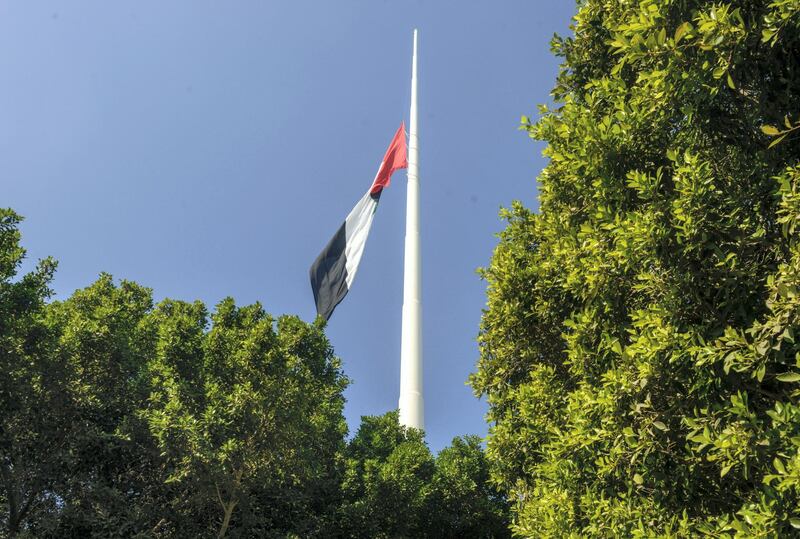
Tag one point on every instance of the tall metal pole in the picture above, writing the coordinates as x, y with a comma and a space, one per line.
411, 402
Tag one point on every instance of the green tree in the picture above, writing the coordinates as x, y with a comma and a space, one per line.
465, 503
248, 416
638, 349
74, 423
31, 443
118, 419
394, 487
386, 487
112, 485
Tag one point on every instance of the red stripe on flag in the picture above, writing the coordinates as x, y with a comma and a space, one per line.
394, 159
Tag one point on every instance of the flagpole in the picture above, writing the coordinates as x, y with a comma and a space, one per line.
411, 401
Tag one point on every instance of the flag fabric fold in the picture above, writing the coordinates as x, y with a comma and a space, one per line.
333, 271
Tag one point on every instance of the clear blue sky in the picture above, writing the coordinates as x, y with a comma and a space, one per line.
208, 149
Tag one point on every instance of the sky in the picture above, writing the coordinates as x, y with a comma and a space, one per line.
211, 149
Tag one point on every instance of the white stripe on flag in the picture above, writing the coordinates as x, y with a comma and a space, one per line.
357, 227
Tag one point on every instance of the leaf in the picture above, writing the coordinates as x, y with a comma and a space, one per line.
730, 82
770, 130
724, 471
779, 465
638, 479
681, 31
661, 426
776, 141
789, 377
788, 335
795, 522
760, 372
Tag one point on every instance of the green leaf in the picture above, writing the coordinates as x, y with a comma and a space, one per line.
789, 377
681, 31
638, 479
788, 335
795, 522
730, 82
762, 369
659, 425
779, 465
770, 130
776, 141
725, 469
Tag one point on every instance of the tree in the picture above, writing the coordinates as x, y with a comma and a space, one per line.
121, 418
112, 483
118, 419
465, 503
89, 465
248, 416
394, 487
386, 485
638, 349
30, 443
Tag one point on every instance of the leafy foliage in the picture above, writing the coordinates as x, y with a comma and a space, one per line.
249, 419
111, 470
638, 348
465, 503
31, 443
121, 418
394, 487
386, 484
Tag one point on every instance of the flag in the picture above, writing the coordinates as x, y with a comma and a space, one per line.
333, 271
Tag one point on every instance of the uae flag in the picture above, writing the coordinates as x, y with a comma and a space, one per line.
333, 271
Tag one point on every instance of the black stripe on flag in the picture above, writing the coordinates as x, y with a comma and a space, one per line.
329, 274
333, 271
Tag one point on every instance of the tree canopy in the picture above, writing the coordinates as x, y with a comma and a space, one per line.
638, 348
120, 417
394, 487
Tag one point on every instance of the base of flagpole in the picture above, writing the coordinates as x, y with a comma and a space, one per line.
411, 410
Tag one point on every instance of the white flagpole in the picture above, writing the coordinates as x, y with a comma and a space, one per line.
411, 402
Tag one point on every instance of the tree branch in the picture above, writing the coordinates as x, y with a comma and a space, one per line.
11, 494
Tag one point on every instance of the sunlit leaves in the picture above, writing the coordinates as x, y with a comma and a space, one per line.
640, 330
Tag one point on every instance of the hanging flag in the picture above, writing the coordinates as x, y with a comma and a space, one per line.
333, 271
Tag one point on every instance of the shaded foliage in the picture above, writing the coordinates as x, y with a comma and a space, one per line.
123, 418
394, 487
248, 418
119, 418
638, 349
32, 444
